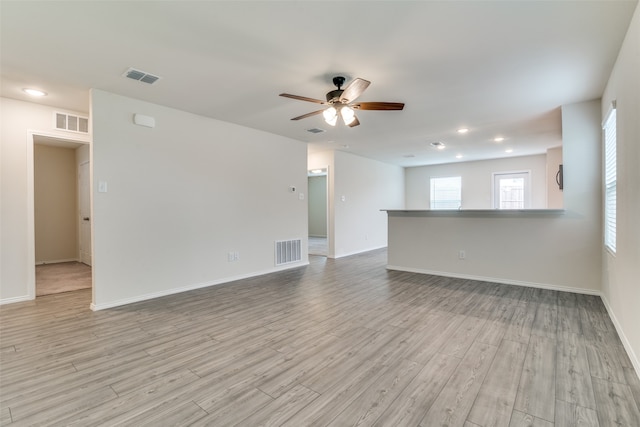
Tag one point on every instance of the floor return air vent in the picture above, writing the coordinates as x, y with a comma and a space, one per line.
288, 251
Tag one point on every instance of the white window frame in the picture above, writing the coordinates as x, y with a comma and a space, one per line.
610, 178
495, 197
431, 192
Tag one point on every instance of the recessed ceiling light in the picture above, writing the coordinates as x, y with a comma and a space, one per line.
508, 150
437, 144
463, 130
34, 92
458, 156
498, 139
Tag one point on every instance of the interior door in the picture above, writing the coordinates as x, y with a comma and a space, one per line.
85, 213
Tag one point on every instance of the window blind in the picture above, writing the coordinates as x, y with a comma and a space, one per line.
446, 193
610, 181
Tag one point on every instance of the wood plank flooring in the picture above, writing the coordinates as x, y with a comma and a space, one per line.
336, 343
318, 246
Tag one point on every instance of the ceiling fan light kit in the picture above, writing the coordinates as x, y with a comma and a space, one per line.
330, 115
346, 112
340, 102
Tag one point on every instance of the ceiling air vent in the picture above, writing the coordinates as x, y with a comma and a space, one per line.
141, 76
315, 130
69, 122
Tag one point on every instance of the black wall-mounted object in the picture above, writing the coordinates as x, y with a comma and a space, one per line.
559, 178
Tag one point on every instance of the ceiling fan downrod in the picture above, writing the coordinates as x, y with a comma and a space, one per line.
335, 94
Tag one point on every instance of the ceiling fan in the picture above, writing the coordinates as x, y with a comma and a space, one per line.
340, 102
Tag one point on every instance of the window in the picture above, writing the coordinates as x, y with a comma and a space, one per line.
610, 180
446, 193
511, 190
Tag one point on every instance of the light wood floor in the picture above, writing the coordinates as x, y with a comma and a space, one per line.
339, 343
318, 246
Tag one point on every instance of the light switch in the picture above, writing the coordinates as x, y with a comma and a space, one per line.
301, 196
343, 198
102, 186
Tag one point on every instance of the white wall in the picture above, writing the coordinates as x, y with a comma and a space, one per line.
476, 181
555, 198
184, 194
17, 259
554, 251
367, 186
621, 273
356, 224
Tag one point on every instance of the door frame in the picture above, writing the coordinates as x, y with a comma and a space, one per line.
31, 231
80, 219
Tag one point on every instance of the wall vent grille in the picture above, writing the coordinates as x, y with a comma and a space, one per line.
315, 130
288, 251
141, 76
69, 122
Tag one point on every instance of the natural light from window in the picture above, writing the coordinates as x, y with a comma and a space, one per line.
511, 193
610, 181
446, 193
511, 190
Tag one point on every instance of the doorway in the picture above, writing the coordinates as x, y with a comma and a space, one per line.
318, 212
511, 190
61, 212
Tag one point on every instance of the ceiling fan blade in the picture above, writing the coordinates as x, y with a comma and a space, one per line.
354, 89
302, 98
389, 106
304, 116
354, 123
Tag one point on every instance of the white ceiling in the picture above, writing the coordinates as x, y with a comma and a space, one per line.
500, 68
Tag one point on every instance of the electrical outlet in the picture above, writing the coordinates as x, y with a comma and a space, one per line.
462, 255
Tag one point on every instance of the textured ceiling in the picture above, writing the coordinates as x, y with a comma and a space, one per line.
500, 68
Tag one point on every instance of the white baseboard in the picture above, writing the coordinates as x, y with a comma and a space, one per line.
15, 299
359, 252
497, 280
145, 297
625, 342
57, 261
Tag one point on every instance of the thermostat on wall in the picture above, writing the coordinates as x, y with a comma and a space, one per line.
146, 121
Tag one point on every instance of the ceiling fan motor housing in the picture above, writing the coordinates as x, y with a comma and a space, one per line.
334, 95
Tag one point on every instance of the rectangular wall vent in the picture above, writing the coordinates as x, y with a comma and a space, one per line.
288, 251
141, 76
315, 130
64, 121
